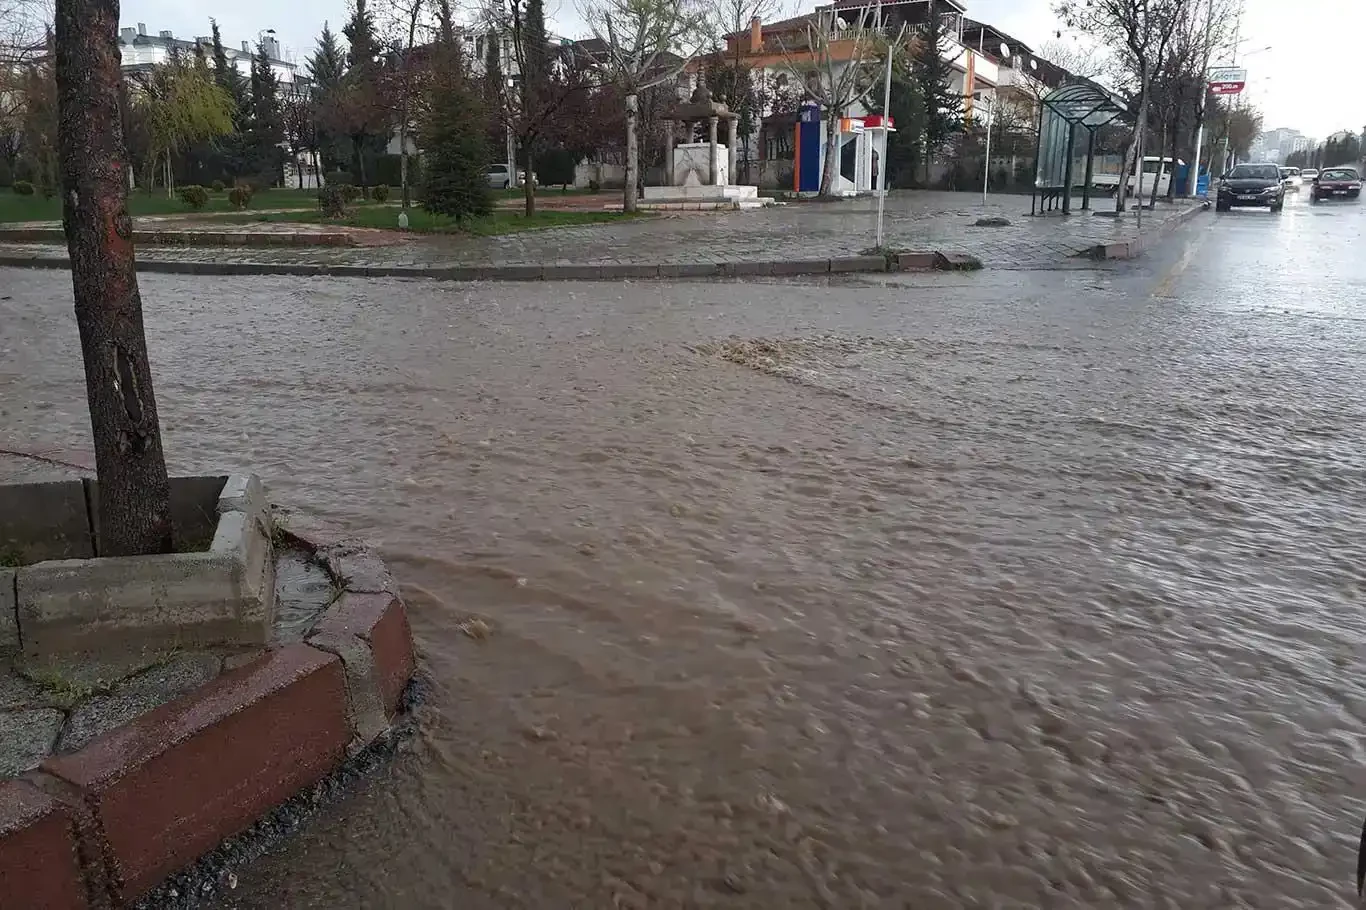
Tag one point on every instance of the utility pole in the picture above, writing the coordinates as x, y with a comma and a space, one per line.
886, 129
1194, 182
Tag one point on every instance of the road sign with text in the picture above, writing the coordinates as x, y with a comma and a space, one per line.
1227, 80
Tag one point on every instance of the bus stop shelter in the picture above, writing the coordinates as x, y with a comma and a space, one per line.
1076, 106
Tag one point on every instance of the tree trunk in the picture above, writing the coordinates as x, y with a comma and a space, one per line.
1161, 166
403, 155
1132, 149
529, 183
832, 156
134, 493
1171, 153
631, 195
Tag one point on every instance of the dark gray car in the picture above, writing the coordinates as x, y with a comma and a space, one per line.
1251, 184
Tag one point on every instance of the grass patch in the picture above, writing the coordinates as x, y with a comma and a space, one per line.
68, 682
35, 208
421, 221
542, 192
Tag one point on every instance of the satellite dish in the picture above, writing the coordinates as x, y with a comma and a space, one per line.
1005, 49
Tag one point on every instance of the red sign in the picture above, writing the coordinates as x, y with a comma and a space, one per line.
1226, 88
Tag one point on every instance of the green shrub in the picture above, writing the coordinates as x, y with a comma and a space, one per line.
350, 193
556, 167
6, 176
332, 200
196, 197
23, 188
217, 186
594, 186
240, 196
380, 193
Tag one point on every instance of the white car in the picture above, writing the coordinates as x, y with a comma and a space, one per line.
1154, 169
499, 179
1290, 177
1308, 174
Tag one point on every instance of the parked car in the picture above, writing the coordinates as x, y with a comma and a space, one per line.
1337, 183
1251, 185
499, 179
1290, 176
1308, 174
1152, 165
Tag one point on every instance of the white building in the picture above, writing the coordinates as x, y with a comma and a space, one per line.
141, 51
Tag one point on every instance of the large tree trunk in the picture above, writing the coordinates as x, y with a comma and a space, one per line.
134, 493
832, 156
631, 194
529, 183
1128, 164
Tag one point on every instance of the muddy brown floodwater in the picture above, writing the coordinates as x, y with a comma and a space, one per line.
968, 595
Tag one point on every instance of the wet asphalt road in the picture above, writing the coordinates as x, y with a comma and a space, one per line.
999, 590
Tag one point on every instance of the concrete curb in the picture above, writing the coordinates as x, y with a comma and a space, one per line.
102, 826
258, 239
890, 262
1132, 249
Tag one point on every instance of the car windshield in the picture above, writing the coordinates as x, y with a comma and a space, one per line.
1338, 173
1287, 172
1255, 172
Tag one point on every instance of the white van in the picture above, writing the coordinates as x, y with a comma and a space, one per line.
1152, 165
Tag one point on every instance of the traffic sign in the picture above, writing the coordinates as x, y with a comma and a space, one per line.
1227, 80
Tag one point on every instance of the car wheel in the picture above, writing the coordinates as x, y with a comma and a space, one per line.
1221, 206
1277, 206
1355, 196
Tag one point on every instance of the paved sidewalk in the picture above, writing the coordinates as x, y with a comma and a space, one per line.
923, 221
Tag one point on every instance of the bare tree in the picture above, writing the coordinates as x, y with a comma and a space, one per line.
1140, 32
838, 68
647, 43
407, 13
134, 492
24, 33
539, 105
1077, 58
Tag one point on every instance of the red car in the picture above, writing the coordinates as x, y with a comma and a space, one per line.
1337, 183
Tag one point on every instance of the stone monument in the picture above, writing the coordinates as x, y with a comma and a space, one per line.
699, 174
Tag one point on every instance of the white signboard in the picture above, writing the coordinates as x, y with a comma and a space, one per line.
1227, 80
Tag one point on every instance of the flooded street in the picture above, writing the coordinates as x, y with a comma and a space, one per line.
1007, 590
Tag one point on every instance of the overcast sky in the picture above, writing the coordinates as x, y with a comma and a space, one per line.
1305, 81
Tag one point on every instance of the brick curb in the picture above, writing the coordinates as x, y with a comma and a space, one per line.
891, 262
1132, 249
260, 239
103, 826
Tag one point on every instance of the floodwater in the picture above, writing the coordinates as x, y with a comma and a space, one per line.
966, 591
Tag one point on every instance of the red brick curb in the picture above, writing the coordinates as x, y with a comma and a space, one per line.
101, 827
39, 862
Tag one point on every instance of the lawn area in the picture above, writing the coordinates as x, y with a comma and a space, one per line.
541, 192
423, 222
35, 208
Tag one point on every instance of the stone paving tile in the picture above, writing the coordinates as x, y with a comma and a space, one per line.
915, 220
26, 738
